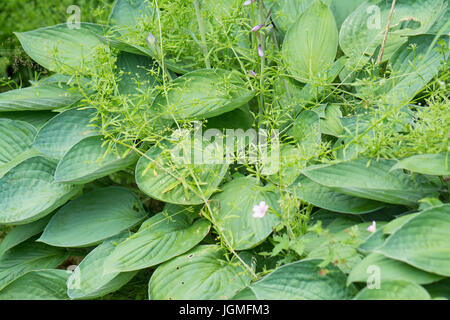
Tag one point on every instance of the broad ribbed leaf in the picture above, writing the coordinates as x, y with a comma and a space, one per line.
326, 198
36, 118
286, 12
303, 280
388, 270
201, 274
16, 139
160, 238
29, 192
48, 284
89, 160
363, 31
94, 217
27, 257
233, 212
22, 233
89, 280
63, 49
423, 241
37, 98
310, 45
65, 130
202, 94
373, 181
171, 173
342, 9
432, 164
128, 12
394, 290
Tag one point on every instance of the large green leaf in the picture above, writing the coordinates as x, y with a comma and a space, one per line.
65, 130
29, 192
36, 118
37, 98
343, 8
423, 241
374, 181
326, 198
394, 290
363, 31
202, 94
89, 160
413, 69
201, 274
16, 139
160, 238
389, 270
285, 13
173, 174
63, 49
48, 284
94, 217
232, 209
22, 233
310, 45
89, 280
303, 280
134, 74
128, 12
27, 257
432, 164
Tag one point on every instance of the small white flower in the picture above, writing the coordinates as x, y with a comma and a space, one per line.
260, 210
373, 227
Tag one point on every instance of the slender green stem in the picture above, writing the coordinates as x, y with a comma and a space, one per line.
201, 27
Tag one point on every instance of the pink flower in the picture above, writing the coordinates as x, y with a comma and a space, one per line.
259, 26
260, 210
151, 40
252, 73
373, 227
248, 2
260, 51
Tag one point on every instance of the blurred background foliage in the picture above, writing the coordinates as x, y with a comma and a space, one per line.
16, 68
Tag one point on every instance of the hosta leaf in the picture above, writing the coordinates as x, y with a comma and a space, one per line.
363, 31
64, 131
160, 238
22, 233
440, 289
203, 273
233, 212
413, 69
285, 13
16, 139
306, 128
89, 280
303, 280
167, 175
88, 160
27, 257
373, 242
374, 182
432, 164
48, 284
342, 9
326, 198
310, 45
394, 290
202, 94
36, 118
134, 75
29, 192
128, 12
62, 49
38, 98
389, 270
423, 241
94, 217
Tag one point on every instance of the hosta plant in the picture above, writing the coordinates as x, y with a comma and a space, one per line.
231, 149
